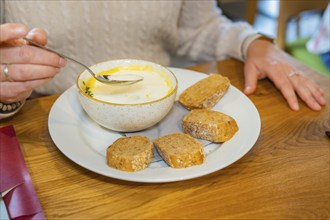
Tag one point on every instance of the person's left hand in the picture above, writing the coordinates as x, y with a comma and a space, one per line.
264, 59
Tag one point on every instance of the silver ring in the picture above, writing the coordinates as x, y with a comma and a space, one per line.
6, 71
293, 73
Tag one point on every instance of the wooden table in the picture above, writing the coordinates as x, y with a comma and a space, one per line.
284, 176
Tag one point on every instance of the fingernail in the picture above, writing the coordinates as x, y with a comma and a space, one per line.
20, 31
62, 62
31, 33
295, 106
247, 89
317, 107
323, 101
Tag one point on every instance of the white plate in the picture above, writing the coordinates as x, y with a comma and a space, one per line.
85, 142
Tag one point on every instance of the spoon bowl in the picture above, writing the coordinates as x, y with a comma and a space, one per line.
127, 79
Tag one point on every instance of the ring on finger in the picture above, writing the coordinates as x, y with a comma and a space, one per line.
6, 71
293, 73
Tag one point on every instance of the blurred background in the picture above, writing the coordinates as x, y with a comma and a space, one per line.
292, 22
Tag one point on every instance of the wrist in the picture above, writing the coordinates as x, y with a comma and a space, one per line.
254, 39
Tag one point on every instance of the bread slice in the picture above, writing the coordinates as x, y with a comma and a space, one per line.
180, 150
130, 153
209, 125
205, 93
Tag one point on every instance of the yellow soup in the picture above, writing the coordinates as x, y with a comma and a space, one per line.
155, 85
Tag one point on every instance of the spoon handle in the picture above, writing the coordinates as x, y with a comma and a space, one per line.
108, 79
60, 54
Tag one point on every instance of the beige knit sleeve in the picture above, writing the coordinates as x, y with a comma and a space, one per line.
205, 34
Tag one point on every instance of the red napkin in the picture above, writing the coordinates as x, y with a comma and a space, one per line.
21, 200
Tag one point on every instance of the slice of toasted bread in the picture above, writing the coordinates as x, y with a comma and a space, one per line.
205, 93
130, 153
209, 125
180, 150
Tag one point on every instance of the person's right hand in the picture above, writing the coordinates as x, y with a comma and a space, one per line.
27, 66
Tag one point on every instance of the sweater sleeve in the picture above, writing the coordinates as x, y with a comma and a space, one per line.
2, 12
205, 34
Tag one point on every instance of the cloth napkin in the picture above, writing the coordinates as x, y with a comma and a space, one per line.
20, 198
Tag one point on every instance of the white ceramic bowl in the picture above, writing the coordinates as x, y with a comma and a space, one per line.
117, 115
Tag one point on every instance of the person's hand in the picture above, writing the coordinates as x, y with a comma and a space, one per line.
24, 67
266, 60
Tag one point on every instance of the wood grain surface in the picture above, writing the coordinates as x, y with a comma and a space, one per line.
284, 176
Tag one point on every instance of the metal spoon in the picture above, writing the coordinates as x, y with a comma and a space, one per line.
108, 79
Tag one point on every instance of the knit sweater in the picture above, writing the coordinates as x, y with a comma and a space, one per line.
96, 31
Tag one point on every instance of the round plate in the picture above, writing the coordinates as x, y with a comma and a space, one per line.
85, 142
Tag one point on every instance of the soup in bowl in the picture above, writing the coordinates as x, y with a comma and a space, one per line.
128, 108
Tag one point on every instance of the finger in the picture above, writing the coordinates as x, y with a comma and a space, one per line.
27, 72
305, 93
38, 35
11, 31
13, 97
9, 93
317, 92
310, 93
291, 97
17, 91
30, 54
283, 84
251, 77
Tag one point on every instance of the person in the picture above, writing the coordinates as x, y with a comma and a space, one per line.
320, 41
95, 31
